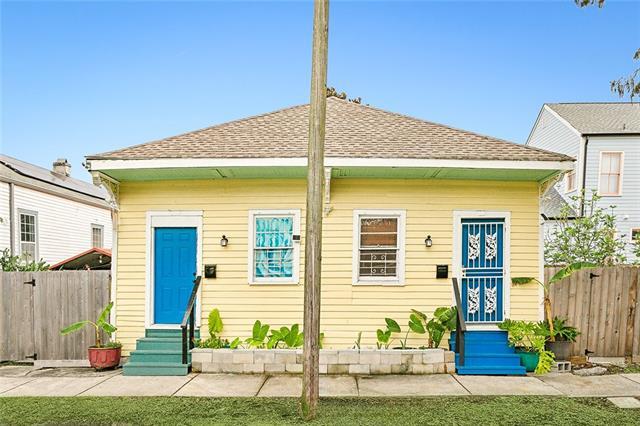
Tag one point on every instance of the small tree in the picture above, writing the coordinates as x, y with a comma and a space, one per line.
101, 324
589, 238
9, 263
563, 273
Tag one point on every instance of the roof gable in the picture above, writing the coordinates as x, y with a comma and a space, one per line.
353, 131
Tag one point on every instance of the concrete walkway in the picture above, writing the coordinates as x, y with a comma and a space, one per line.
23, 381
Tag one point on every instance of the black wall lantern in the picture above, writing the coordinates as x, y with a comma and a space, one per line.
428, 242
224, 241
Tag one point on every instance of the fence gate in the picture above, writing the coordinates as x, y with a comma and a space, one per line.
34, 306
604, 304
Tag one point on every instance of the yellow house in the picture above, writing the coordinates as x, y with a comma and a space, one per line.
408, 205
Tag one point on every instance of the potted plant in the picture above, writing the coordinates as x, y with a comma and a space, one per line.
528, 340
101, 356
560, 339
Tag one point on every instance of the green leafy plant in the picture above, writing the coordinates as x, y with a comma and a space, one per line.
561, 331
258, 335
529, 337
100, 324
215, 327
384, 336
289, 337
444, 319
590, 237
9, 263
563, 273
235, 343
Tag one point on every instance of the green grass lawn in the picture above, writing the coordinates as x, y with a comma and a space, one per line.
361, 411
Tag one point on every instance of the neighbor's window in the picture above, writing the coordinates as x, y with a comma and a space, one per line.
610, 173
570, 181
97, 235
275, 249
378, 243
29, 235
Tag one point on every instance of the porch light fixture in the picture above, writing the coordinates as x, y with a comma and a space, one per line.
224, 241
428, 242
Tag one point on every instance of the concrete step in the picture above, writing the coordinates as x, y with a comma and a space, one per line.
155, 369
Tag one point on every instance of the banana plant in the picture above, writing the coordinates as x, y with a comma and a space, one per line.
563, 273
101, 324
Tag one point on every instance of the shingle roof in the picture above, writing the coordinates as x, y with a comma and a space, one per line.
353, 131
553, 204
601, 118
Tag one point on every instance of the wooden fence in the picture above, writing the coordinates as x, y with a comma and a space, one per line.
604, 304
34, 306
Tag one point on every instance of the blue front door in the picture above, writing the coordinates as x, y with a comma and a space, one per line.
483, 270
174, 271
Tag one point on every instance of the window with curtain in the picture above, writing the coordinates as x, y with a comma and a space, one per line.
274, 252
29, 235
610, 173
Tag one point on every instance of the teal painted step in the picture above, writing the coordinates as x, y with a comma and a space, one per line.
146, 355
155, 369
159, 353
487, 353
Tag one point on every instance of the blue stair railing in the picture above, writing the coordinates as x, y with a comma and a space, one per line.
189, 320
461, 325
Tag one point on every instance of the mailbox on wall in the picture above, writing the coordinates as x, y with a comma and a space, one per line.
209, 271
442, 271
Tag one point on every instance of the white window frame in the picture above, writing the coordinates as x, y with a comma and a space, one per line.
168, 219
619, 193
398, 280
36, 222
95, 226
295, 278
567, 188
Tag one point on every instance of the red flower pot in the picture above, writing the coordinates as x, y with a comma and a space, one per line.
103, 358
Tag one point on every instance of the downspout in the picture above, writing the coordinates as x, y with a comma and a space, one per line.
584, 174
12, 219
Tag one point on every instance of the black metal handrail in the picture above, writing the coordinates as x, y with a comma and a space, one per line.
190, 319
461, 325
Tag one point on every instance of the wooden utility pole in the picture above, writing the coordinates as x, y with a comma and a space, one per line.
313, 233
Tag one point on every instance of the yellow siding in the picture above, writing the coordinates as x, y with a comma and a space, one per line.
346, 309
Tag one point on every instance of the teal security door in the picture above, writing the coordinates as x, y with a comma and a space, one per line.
483, 268
174, 271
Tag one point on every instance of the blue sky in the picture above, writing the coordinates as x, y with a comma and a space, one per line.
86, 77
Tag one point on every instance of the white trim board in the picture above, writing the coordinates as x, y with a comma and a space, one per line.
458, 215
169, 218
170, 163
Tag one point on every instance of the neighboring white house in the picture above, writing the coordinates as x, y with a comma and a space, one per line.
46, 214
605, 140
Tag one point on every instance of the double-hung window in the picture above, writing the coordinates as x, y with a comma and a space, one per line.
610, 182
274, 247
97, 235
378, 240
29, 235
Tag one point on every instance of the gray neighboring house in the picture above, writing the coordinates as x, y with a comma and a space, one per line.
604, 138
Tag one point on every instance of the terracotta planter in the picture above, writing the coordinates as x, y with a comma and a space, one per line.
103, 358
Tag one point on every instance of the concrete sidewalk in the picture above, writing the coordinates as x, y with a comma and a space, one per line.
21, 381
